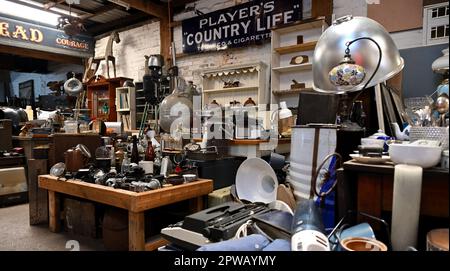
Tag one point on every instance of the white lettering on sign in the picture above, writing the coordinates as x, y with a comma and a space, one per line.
243, 23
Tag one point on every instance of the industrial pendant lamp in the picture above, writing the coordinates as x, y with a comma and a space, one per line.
373, 52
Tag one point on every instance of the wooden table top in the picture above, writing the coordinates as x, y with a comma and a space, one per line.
387, 168
129, 200
252, 141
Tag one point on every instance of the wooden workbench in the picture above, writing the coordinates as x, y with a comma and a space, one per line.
135, 203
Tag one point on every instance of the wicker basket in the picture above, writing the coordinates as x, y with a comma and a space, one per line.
431, 133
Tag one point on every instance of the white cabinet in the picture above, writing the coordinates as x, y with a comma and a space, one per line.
286, 45
126, 107
252, 84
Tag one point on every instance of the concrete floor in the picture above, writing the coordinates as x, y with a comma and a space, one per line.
17, 234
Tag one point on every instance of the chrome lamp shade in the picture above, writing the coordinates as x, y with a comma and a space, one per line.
332, 45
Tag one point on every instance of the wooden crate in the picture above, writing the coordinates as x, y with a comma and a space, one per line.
37, 196
5, 134
79, 217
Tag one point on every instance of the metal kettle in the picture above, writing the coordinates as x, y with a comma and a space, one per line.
155, 61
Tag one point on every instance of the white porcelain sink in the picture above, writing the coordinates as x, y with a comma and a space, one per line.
424, 154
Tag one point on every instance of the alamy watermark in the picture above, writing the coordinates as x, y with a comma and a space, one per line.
255, 122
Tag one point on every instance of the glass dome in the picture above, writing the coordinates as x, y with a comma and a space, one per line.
175, 110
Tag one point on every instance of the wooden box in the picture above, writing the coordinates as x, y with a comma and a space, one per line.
62, 142
79, 218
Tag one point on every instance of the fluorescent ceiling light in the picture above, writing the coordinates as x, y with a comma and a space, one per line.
30, 13
59, 10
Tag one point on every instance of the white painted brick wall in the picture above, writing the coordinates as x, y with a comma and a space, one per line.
136, 43
349, 7
129, 53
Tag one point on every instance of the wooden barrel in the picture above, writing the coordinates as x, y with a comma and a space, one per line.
115, 229
437, 240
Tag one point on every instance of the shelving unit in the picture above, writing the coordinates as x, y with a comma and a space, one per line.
252, 84
284, 49
126, 107
101, 97
139, 103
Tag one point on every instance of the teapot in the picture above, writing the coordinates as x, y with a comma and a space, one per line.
401, 135
380, 135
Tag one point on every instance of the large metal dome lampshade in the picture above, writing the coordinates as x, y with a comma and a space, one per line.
332, 45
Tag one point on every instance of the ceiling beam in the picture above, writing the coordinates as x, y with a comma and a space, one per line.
180, 3
62, 5
51, 4
98, 29
98, 11
149, 7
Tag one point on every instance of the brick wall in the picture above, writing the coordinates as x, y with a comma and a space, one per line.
129, 53
137, 42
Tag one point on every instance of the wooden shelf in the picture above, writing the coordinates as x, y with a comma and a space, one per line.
305, 25
231, 89
291, 91
123, 110
293, 68
307, 46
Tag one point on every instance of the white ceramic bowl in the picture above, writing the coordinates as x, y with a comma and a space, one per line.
419, 155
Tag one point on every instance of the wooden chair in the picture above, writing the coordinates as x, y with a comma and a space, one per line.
108, 56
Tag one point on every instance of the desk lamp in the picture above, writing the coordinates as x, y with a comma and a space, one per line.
368, 50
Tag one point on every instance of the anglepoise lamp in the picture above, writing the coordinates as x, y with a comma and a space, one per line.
353, 54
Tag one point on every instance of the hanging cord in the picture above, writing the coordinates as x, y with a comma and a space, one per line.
375, 71
242, 230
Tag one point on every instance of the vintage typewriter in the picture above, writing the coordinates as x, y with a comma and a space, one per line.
215, 224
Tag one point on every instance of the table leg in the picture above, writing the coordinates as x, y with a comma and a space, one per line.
54, 211
136, 231
196, 204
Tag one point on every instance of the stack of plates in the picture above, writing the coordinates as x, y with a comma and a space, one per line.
370, 160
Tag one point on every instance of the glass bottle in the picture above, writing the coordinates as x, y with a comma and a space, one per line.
135, 151
125, 163
358, 115
150, 152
